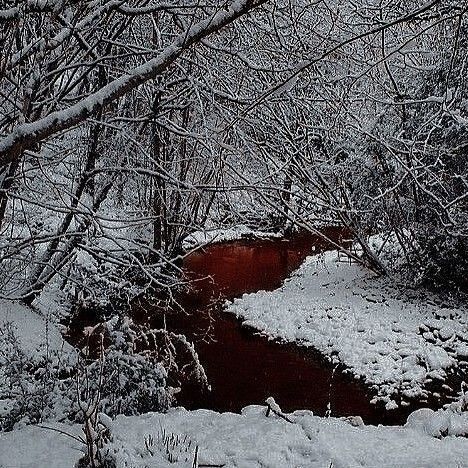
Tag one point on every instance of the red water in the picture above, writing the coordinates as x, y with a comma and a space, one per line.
243, 367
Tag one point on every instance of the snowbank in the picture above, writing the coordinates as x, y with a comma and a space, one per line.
250, 439
224, 235
394, 343
33, 331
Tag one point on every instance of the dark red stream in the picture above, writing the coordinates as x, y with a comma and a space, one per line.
243, 367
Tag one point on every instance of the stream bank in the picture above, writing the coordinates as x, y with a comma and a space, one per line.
245, 360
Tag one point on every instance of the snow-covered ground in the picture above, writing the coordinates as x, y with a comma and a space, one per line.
209, 236
250, 439
395, 343
336, 302
34, 331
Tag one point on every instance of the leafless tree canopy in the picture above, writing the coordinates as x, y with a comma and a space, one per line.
127, 125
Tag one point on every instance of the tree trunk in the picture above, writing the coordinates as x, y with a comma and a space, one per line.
5, 186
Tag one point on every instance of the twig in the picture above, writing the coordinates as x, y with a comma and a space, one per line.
77, 438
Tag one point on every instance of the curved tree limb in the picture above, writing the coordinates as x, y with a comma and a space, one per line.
26, 135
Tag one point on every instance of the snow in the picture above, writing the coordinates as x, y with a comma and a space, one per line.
372, 327
375, 330
210, 236
438, 423
250, 439
32, 329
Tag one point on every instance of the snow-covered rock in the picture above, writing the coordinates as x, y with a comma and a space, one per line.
439, 423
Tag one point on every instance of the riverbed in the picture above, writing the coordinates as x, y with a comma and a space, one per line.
244, 367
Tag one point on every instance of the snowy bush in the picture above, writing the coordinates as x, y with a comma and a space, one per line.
101, 284
445, 258
132, 381
33, 386
49, 384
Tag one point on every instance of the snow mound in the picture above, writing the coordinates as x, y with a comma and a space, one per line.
397, 345
32, 330
250, 439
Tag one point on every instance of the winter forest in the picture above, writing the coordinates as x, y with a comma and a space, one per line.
234, 233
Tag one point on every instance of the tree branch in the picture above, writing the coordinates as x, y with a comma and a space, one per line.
26, 135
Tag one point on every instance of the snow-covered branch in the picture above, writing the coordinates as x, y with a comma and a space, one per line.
25, 135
